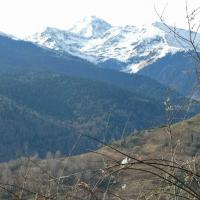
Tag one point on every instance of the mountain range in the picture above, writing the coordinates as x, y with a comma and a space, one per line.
74, 93
48, 100
130, 49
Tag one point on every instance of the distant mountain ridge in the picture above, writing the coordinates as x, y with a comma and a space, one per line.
177, 71
128, 48
21, 56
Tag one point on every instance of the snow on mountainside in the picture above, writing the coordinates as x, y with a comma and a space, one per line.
97, 41
61, 40
9, 36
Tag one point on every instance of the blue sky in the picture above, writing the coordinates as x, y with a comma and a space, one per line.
24, 17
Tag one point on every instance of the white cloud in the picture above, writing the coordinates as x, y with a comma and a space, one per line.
22, 17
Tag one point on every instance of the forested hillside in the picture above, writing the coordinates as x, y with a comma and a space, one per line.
74, 97
71, 106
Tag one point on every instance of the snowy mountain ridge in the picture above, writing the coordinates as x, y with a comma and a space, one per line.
98, 42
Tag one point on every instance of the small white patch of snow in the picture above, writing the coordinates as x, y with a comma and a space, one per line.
125, 161
123, 186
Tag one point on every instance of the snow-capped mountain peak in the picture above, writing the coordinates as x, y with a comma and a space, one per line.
91, 26
129, 47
